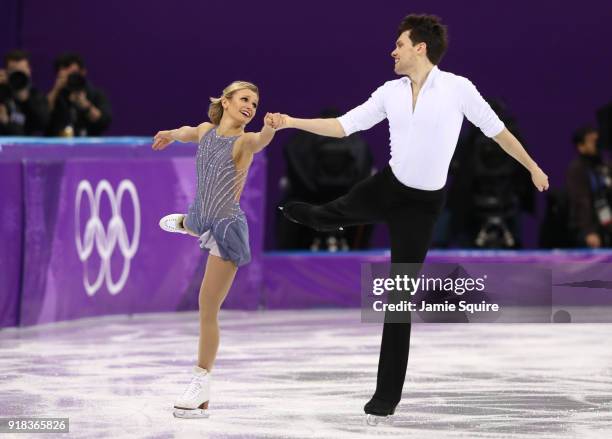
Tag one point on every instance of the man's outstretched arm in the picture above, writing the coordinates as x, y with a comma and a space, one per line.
359, 118
479, 112
322, 127
513, 147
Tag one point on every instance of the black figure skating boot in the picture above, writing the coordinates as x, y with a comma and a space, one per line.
378, 411
303, 209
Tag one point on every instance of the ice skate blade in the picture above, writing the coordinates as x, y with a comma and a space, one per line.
374, 420
289, 217
200, 412
191, 413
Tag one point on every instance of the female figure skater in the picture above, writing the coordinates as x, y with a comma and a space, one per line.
224, 155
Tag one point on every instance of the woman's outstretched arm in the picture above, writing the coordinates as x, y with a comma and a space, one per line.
183, 134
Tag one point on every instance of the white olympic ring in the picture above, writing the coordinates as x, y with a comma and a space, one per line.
106, 240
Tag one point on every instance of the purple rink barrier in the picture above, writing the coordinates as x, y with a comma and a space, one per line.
11, 217
71, 271
91, 242
309, 280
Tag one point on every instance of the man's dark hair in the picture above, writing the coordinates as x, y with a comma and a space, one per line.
16, 55
67, 59
429, 30
580, 134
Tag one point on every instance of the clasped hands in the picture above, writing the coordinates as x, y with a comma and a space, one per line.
276, 121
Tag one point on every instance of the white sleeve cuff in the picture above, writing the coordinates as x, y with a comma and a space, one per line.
493, 129
346, 124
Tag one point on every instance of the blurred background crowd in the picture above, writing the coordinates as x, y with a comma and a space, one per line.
72, 107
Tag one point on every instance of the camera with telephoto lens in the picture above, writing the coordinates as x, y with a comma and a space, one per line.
17, 81
76, 82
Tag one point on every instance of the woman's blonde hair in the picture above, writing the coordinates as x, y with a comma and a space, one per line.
215, 109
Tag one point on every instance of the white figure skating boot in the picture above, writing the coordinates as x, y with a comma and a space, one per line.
173, 223
194, 401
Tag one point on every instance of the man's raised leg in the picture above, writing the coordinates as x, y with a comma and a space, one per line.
363, 204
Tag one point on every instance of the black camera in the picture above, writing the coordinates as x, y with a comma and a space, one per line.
17, 81
76, 82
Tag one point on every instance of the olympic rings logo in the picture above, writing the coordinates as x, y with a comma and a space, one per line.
105, 240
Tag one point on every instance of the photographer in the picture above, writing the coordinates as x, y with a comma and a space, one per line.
23, 109
77, 108
589, 191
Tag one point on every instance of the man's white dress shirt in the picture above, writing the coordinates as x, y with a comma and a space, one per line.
423, 140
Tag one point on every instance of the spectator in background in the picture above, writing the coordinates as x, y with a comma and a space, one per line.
588, 186
23, 109
77, 108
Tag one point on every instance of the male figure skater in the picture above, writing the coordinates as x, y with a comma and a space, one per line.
425, 110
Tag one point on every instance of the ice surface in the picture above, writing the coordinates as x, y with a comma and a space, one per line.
298, 374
